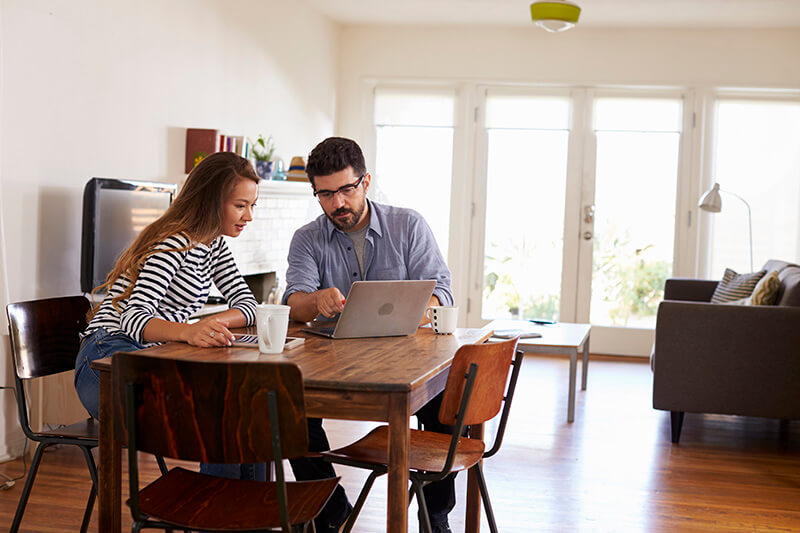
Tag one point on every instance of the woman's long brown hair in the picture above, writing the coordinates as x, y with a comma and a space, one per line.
195, 213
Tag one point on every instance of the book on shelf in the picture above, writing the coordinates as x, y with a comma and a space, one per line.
240, 145
199, 144
202, 142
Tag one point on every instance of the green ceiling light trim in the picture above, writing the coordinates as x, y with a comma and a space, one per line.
555, 16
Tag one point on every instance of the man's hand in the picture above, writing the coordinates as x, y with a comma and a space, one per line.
330, 302
306, 306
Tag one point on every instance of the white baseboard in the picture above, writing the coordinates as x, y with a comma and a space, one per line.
14, 446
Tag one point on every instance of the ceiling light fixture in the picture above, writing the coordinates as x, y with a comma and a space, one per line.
555, 16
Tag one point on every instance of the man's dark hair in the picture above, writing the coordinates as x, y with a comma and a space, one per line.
335, 154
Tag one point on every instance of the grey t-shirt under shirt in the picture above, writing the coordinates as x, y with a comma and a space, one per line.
359, 238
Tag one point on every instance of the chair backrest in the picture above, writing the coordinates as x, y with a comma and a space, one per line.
44, 334
212, 412
493, 361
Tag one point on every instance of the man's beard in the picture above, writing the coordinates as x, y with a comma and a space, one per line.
350, 223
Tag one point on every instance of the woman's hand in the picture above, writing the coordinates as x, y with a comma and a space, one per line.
208, 332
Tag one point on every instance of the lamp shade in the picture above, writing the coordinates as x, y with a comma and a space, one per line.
555, 16
711, 200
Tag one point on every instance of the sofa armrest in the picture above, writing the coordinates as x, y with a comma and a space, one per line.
728, 359
689, 290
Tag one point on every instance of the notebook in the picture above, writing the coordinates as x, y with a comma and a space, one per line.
511, 333
379, 309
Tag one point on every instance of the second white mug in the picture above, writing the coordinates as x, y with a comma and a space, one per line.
443, 318
272, 322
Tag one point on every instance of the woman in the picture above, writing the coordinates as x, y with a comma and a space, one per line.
166, 274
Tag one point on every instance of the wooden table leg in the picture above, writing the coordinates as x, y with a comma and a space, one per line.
585, 366
573, 370
110, 468
399, 443
472, 522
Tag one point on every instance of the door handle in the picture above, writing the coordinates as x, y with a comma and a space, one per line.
587, 235
588, 214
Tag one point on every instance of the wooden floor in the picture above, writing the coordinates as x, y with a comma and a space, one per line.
614, 469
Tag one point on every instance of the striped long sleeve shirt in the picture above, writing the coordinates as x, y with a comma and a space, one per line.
173, 285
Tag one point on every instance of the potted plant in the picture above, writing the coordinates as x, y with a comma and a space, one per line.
262, 152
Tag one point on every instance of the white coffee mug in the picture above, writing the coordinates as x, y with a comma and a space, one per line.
443, 318
272, 322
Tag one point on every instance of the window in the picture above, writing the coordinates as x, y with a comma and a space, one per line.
525, 197
414, 153
756, 156
636, 179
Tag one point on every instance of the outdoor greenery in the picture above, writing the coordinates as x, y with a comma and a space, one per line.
630, 278
509, 283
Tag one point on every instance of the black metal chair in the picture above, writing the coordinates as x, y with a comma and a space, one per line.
479, 372
44, 341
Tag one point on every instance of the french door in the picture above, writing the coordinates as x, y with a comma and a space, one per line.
576, 194
566, 211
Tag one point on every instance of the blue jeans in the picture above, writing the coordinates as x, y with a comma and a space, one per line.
98, 345
102, 344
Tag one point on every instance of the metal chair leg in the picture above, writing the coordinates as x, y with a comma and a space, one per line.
485, 497
424, 518
161, 464
90, 464
87, 513
26, 491
362, 497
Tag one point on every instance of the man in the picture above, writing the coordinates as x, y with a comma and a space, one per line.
357, 239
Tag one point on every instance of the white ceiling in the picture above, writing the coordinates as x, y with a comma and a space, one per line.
595, 13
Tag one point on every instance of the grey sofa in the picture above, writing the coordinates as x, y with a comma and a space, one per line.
727, 359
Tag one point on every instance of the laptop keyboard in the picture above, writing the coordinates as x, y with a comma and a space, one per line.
325, 331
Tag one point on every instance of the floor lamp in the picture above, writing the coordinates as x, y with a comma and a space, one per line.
712, 202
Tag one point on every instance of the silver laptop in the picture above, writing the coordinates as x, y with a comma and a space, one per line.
379, 309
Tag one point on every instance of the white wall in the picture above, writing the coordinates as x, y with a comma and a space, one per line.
107, 88
749, 58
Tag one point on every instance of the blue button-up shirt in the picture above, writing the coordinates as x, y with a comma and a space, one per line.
399, 245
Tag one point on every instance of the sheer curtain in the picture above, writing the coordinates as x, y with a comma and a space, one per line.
757, 156
414, 153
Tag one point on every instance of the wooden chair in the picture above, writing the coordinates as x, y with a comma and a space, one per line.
44, 341
474, 393
216, 412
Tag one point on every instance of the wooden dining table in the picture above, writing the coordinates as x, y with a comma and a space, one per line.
375, 379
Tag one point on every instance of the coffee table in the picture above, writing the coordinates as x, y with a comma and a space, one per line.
561, 339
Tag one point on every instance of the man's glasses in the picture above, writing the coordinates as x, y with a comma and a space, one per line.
344, 190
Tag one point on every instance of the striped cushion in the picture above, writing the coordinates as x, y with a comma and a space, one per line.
736, 286
766, 290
